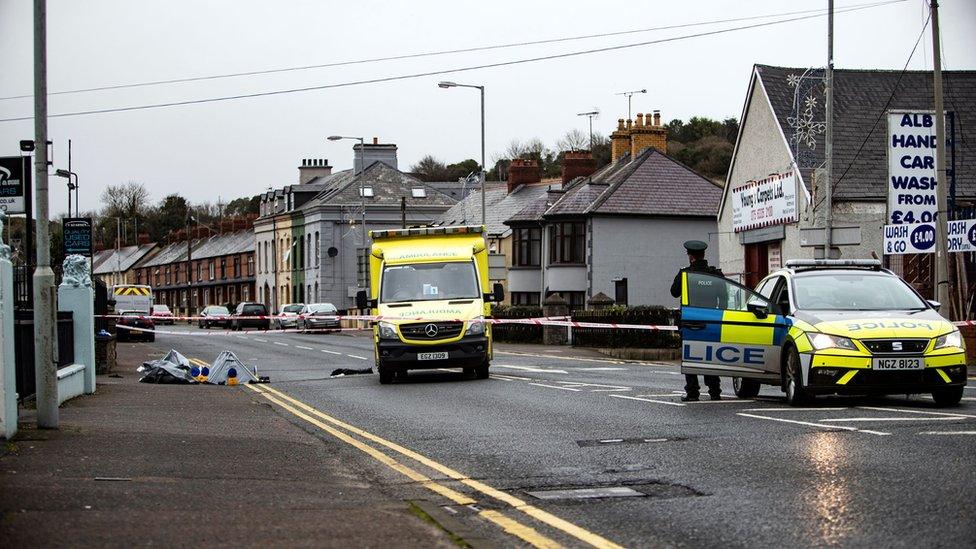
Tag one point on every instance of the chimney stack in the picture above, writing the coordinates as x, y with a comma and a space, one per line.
648, 135
577, 164
312, 168
523, 172
372, 153
619, 141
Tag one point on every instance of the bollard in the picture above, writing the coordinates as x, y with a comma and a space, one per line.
555, 305
104, 353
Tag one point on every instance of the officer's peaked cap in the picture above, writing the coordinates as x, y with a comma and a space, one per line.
696, 246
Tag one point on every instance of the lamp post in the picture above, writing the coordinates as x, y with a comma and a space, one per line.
481, 89
362, 188
71, 186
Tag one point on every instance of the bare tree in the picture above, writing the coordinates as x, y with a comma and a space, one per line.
535, 147
574, 140
125, 200
515, 149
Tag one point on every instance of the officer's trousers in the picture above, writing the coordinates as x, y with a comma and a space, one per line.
692, 388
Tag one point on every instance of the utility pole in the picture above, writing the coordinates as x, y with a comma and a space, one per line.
189, 263
941, 251
45, 322
829, 131
403, 212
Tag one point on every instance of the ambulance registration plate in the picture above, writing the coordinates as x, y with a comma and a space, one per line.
915, 363
432, 356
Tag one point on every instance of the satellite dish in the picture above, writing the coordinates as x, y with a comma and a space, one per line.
332, 251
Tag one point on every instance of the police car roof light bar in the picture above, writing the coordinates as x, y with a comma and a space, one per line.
808, 263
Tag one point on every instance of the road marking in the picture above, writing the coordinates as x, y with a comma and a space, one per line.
554, 387
330, 352
600, 369
510, 377
241, 337
280, 343
357, 356
797, 409
948, 433
529, 369
723, 401
648, 400
811, 424
518, 529
543, 516
261, 340
574, 358
847, 419
904, 411
304, 347
658, 396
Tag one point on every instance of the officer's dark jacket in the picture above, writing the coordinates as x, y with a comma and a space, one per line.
698, 265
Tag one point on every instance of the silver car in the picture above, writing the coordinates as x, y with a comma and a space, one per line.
319, 317
288, 316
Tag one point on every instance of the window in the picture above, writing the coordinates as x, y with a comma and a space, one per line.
620, 291
246, 292
258, 252
308, 251
526, 247
429, 282
567, 242
223, 268
237, 266
250, 265
525, 298
211, 269
366, 191
845, 292
315, 296
418, 192
714, 292
316, 249
168, 279
199, 271
265, 257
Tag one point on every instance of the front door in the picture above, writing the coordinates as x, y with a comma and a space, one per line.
721, 336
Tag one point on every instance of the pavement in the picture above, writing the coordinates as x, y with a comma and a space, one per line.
564, 447
177, 465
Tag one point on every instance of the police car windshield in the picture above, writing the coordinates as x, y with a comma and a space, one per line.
429, 282
854, 292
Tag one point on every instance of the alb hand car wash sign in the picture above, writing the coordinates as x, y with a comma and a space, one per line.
911, 168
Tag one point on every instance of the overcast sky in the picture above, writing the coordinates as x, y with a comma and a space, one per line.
238, 148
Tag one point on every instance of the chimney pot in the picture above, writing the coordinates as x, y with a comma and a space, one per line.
620, 123
376, 140
657, 118
630, 123
640, 119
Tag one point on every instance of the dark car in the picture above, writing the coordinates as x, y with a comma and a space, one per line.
214, 315
245, 313
136, 319
319, 317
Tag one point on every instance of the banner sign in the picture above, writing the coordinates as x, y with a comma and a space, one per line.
962, 235
769, 201
918, 238
77, 233
911, 168
14, 178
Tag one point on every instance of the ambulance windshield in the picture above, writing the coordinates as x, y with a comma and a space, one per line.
429, 282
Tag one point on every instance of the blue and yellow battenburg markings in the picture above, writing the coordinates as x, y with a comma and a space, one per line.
745, 336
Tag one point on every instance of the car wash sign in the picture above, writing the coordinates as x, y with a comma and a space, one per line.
770, 201
911, 167
917, 238
14, 178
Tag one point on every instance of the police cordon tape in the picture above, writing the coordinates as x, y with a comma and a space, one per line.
541, 321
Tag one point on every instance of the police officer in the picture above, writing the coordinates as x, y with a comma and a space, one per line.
697, 263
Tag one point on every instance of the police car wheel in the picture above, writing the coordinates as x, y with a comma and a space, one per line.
796, 395
745, 388
947, 397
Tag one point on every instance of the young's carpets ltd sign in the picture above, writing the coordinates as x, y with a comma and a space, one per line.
770, 201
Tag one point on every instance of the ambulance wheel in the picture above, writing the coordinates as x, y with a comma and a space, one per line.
745, 388
796, 394
949, 396
386, 375
481, 372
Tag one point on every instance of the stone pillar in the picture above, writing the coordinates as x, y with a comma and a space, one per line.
600, 302
8, 367
76, 295
555, 305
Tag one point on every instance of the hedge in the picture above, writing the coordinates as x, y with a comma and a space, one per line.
622, 337
516, 333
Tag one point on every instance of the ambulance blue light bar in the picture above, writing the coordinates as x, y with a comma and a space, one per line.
428, 231
814, 263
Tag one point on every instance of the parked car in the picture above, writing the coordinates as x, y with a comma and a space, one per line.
288, 316
318, 316
162, 315
214, 315
244, 314
136, 319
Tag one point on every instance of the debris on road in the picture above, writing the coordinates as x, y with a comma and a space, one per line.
338, 372
173, 368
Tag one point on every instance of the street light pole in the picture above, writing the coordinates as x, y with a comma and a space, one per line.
446, 85
942, 294
45, 354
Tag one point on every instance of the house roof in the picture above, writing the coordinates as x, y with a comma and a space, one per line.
652, 183
389, 185
861, 98
500, 205
203, 248
108, 261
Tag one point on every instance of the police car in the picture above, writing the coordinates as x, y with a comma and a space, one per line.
821, 327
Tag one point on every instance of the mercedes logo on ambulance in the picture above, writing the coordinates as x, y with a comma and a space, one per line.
430, 330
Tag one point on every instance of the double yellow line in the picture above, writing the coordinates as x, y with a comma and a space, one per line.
348, 433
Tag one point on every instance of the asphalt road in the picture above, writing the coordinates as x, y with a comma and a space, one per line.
891, 472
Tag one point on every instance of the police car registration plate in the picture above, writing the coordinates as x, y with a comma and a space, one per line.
432, 356
898, 363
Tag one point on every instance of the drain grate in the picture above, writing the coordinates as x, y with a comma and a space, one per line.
624, 441
588, 493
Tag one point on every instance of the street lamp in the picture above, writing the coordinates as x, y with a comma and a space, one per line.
362, 189
446, 85
71, 187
